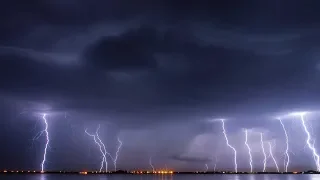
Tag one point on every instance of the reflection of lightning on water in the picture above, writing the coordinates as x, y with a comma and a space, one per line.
287, 146
249, 150
273, 158
227, 142
264, 153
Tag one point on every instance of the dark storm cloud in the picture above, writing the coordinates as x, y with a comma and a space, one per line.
149, 64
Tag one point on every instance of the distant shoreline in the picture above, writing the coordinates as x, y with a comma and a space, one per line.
147, 172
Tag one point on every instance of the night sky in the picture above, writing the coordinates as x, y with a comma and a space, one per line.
154, 73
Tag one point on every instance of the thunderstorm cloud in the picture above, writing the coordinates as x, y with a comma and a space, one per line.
154, 73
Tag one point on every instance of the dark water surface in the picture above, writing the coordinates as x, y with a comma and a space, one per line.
159, 177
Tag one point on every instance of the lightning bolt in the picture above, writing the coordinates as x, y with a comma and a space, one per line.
215, 165
287, 146
234, 150
47, 142
249, 150
150, 162
264, 153
308, 141
104, 159
273, 158
206, 165
103, 148
313, 145
117, 154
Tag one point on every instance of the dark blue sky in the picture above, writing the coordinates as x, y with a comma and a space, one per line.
153, 73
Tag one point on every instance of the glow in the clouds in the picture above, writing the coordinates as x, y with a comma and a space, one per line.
104, 159
273, 158
117, 154
264, 153
47, 142
150, 163
249, 150
308, 141
234, 150
287, 146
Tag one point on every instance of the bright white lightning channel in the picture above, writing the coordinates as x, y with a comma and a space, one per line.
308, 141
103, 148
249, 150
206, 170
117, 154
104, 159
273, 158
287, 146
264, 153
234, 150
47, 142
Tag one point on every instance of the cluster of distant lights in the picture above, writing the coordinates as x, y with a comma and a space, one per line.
104, 153
140, 172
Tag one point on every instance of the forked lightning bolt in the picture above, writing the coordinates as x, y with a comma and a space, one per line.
104, 159
234, 150
308, 141
264, 153
273, 158
249, 150
150, 163
287, 145
103, 148
47, 142
117, 154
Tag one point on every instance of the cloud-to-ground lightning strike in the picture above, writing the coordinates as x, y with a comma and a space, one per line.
249, 150
287, 146
47, 142
264, 153
104, 159
308, 141
273, 158
206, 170
227, 141
215, 164
117, 154
150, 163
103, 148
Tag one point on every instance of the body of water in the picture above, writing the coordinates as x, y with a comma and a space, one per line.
159, 177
